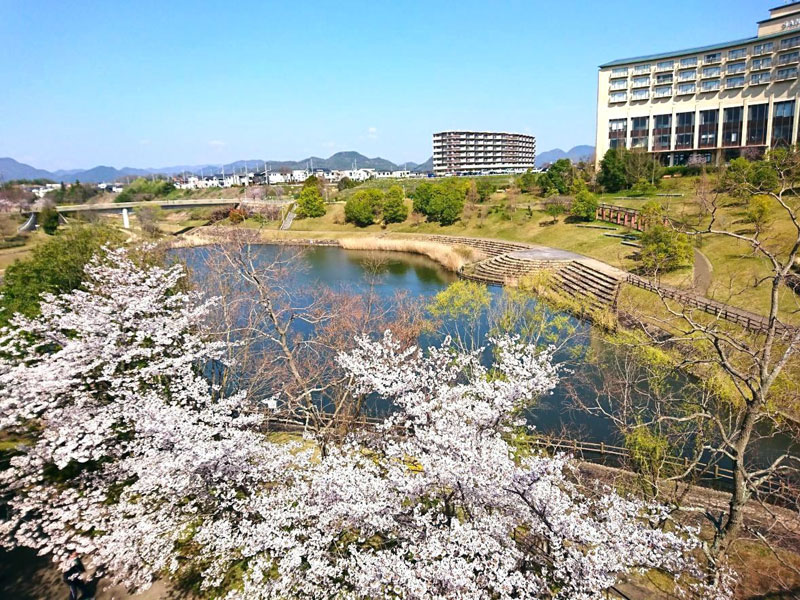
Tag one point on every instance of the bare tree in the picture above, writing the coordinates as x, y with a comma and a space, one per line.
747, 376
285, 336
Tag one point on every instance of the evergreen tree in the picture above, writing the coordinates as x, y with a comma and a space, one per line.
612, 171
310, 202
394, 206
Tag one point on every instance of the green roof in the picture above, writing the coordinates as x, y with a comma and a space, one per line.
635, 59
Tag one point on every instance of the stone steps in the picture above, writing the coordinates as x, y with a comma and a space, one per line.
597, 289
489, 247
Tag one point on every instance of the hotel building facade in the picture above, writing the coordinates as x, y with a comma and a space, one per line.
482, 152
719, 101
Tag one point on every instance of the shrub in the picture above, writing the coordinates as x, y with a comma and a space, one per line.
145, 189
394, 206
55, 266
310, 203
485, 189
364, 207
664, 250
584, 206
48, 220
643, 188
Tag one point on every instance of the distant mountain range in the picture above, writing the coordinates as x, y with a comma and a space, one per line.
11, 169
576, 154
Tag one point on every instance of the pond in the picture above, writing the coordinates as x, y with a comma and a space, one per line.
420, 278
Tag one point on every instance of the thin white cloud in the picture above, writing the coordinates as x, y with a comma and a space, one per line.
144, 142
217, 144
372, 133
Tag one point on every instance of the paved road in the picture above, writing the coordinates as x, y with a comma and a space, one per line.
702, 273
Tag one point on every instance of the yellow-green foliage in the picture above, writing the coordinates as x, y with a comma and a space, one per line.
461, 300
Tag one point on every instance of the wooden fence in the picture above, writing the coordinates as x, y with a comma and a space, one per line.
748, 320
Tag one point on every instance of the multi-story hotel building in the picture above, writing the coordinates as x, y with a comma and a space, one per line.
482, 152
716, 101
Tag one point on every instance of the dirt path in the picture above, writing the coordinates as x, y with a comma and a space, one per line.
702, 273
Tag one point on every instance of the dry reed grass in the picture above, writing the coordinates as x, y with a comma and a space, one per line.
450, 257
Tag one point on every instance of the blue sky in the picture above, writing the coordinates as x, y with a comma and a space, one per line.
150, 84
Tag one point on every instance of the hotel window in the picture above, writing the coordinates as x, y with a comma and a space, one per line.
666, 65
761, 63
663, 92
662, 132
714, 57
639, 132
782, 123
687, 75
788, 73
792, 42
684, 130
789, 58
663, 79
641, 69
618, 97
617, 133
734, 68
640, 95
686, 88
619, 84
759, 78
738, 53
641, 82
710, 86
760, 49
708, 128
734, 82
732, 126
712, 72
757, 124
619, 71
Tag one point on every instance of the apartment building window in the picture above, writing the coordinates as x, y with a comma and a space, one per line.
783, 123
759, 78
663, 92
666, 65
618, 97
663, 79
684, 130
640, 132
709, 119
617, 133
734, 68
787, 73
638, 69
732, 126
792, 42
765, 48
662, 132
734, 82
640, 95
738, 53
687, 75
714, 57
686, 88
712, 72
617, 71
761, 63
688, 62
641, 82
789, 58
710, 86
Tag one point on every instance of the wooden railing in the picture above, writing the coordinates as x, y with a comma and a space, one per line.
748, 320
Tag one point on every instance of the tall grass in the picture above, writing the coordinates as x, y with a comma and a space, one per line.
450, 257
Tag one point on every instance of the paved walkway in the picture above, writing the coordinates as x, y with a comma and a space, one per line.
545, 253
702, 273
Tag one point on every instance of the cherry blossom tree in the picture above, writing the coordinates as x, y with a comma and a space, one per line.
135, 460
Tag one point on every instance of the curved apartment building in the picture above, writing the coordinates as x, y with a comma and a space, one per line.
482, 152
718, 101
